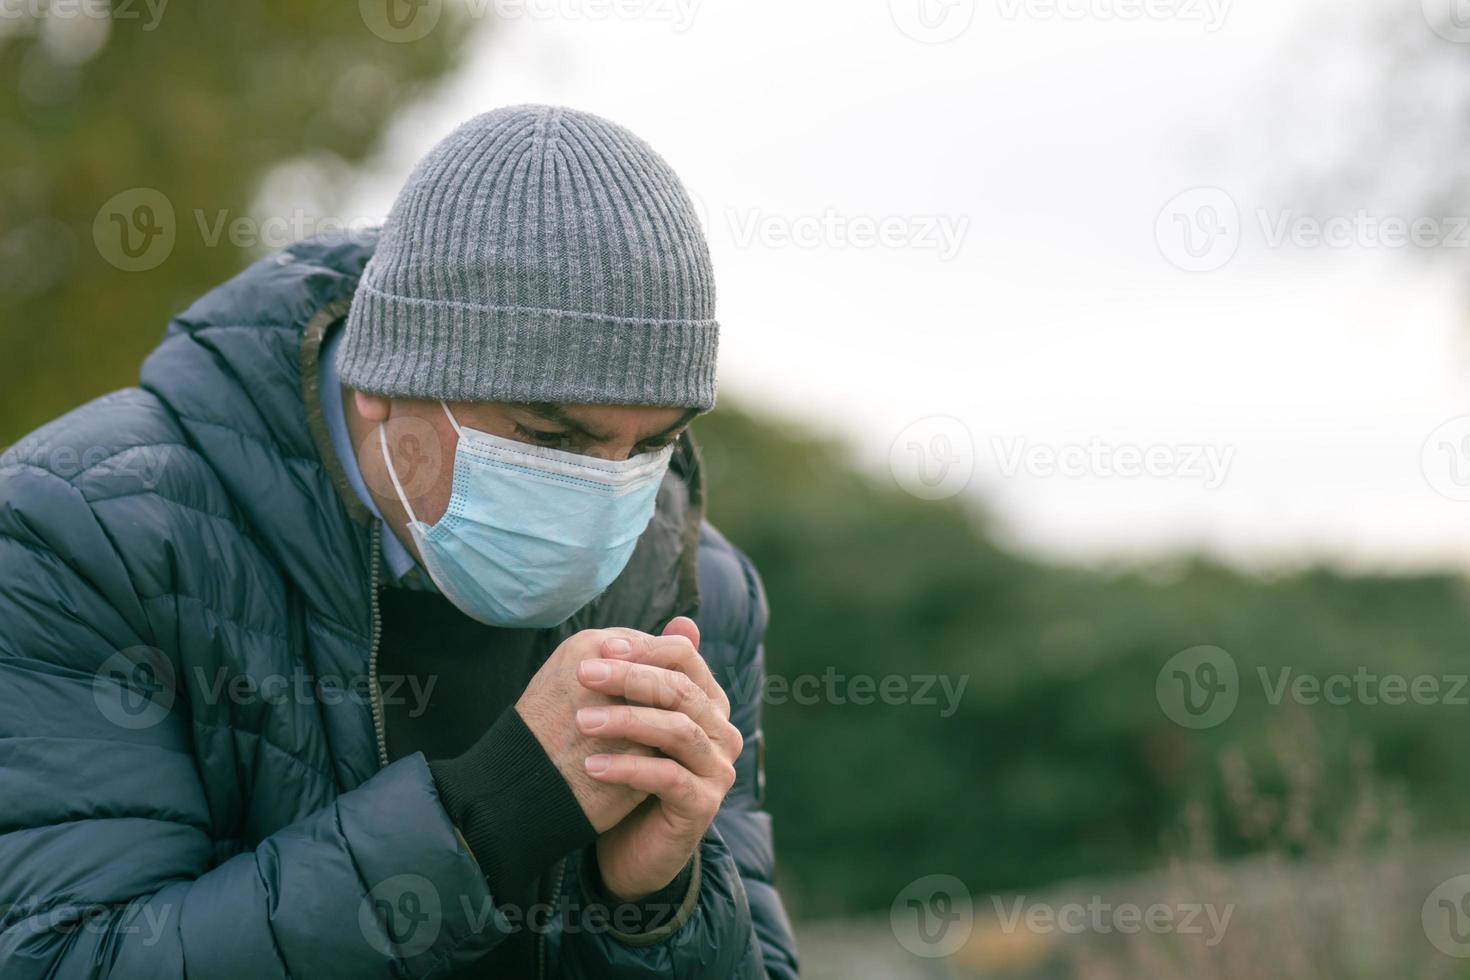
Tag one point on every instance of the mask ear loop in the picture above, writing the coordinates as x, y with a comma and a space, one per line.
393, 473
452, 420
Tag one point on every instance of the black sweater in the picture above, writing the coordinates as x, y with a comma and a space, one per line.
448, 686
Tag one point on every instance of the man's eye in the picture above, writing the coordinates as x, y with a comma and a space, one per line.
542, 438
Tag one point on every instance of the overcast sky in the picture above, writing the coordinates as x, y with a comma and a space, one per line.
990, 229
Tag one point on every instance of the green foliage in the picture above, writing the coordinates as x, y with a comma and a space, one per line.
198, 103
1059, 761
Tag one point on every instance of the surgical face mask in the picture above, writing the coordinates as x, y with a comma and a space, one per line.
531, 534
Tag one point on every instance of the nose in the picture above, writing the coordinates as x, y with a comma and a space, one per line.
611, 452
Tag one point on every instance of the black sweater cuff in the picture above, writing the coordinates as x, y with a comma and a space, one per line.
653, 913
511, 804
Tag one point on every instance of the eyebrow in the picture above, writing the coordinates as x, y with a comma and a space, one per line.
552, 412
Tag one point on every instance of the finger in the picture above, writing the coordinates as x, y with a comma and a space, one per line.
618, 640
673, 732
685, 627
677, 652
656, 687
680, 790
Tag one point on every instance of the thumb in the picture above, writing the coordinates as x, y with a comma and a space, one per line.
683, 626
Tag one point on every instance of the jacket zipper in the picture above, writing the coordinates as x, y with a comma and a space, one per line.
380, 728
380, 724
556, 876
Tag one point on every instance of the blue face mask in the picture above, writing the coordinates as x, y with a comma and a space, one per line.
531, 534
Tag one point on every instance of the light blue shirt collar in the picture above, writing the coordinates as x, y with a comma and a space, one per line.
401, 564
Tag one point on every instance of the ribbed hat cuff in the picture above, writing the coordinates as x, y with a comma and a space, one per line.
417, 348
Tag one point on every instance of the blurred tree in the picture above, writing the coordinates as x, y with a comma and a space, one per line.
182, 109
1057, 760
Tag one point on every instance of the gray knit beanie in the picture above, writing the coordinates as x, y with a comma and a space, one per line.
538, 254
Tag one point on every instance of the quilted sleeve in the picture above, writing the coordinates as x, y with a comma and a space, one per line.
108, 865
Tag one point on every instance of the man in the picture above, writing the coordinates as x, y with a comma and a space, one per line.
379, 633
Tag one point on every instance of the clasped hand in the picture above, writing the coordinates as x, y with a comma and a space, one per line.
640, 730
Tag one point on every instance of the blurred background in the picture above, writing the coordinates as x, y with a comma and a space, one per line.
1095, 400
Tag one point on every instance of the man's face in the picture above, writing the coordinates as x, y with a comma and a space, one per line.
422, 441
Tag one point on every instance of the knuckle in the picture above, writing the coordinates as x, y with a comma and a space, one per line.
695, 736
685, 689
679, 782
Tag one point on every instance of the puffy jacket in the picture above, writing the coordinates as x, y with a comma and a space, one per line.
192, 776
